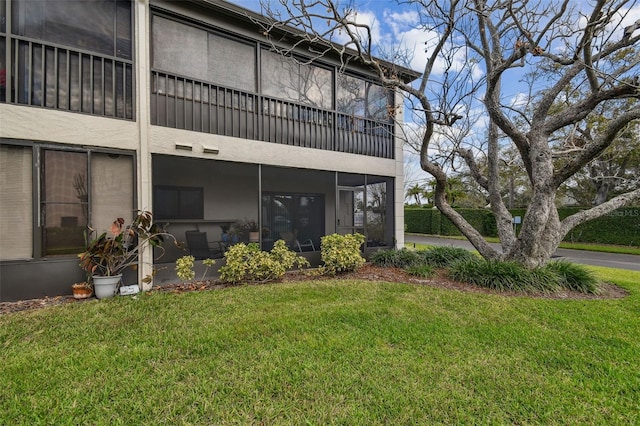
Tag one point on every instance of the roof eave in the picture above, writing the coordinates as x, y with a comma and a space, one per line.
406, 74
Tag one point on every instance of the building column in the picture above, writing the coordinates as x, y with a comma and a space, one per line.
399, 180
143, 178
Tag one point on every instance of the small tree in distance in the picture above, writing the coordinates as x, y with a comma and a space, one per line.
475, 49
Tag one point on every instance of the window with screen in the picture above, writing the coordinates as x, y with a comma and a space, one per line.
178, 202
189, 51
284, 77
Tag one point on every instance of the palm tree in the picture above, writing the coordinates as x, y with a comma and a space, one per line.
415, 191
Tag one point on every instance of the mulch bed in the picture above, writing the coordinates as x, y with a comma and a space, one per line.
367, 272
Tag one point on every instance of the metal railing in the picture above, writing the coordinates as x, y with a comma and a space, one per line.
49, 76
183, 103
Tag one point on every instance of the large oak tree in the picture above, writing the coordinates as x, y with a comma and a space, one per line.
476, 50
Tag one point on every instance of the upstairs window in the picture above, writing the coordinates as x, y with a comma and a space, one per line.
193, 52
3, 16
362, 98
73, 55
97, 26
284, 77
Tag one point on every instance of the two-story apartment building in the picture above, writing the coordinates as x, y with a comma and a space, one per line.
182, 108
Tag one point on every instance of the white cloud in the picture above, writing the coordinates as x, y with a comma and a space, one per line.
362, 17
622, 19
519, 100
406, 33
400, 22
630, 17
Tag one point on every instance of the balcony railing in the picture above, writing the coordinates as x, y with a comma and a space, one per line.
183, 103
55, 77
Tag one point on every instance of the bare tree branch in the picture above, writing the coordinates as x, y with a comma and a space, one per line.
573, 68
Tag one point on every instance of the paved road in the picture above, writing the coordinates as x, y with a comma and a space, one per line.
611, 260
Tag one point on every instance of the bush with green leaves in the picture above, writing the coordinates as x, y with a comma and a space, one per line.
423, 271
512, 276
445, 256
574, 277
541, 280
503, 276
621, 227
184, 268
402, 258
247, 263
341, 253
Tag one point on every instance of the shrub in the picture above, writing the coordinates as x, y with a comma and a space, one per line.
184, 268
424, 271
621, 227
395, 258
341, 253
504, 276
541, 280
246, 262
574, 277
419, 220
444, 256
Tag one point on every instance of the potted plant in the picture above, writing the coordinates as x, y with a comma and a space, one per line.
250, 230
109, 254
224, 236
235, 232
253, 229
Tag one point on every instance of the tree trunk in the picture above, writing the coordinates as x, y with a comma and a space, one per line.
601, 193
540, 234
472, 234
540, 230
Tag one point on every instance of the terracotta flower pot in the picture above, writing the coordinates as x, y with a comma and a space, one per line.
81, 291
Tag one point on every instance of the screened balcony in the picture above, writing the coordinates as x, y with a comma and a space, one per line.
55, 77
184, 103
73, 56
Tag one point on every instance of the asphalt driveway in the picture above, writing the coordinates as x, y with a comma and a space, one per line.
611, 260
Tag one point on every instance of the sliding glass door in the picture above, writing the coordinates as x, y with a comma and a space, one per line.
363, 206
296, 218
350, 210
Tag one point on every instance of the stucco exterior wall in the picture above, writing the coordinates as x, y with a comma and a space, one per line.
163, 140
41, 124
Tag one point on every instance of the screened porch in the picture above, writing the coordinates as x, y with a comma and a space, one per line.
296, 205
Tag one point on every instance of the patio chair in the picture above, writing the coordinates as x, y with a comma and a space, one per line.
291, 238
201, 248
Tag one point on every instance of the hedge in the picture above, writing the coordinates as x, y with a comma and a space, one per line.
418, 221
621, 227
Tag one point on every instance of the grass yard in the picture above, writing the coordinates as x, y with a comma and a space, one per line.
322, 352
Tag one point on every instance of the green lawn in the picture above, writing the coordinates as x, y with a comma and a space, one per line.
345, 352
